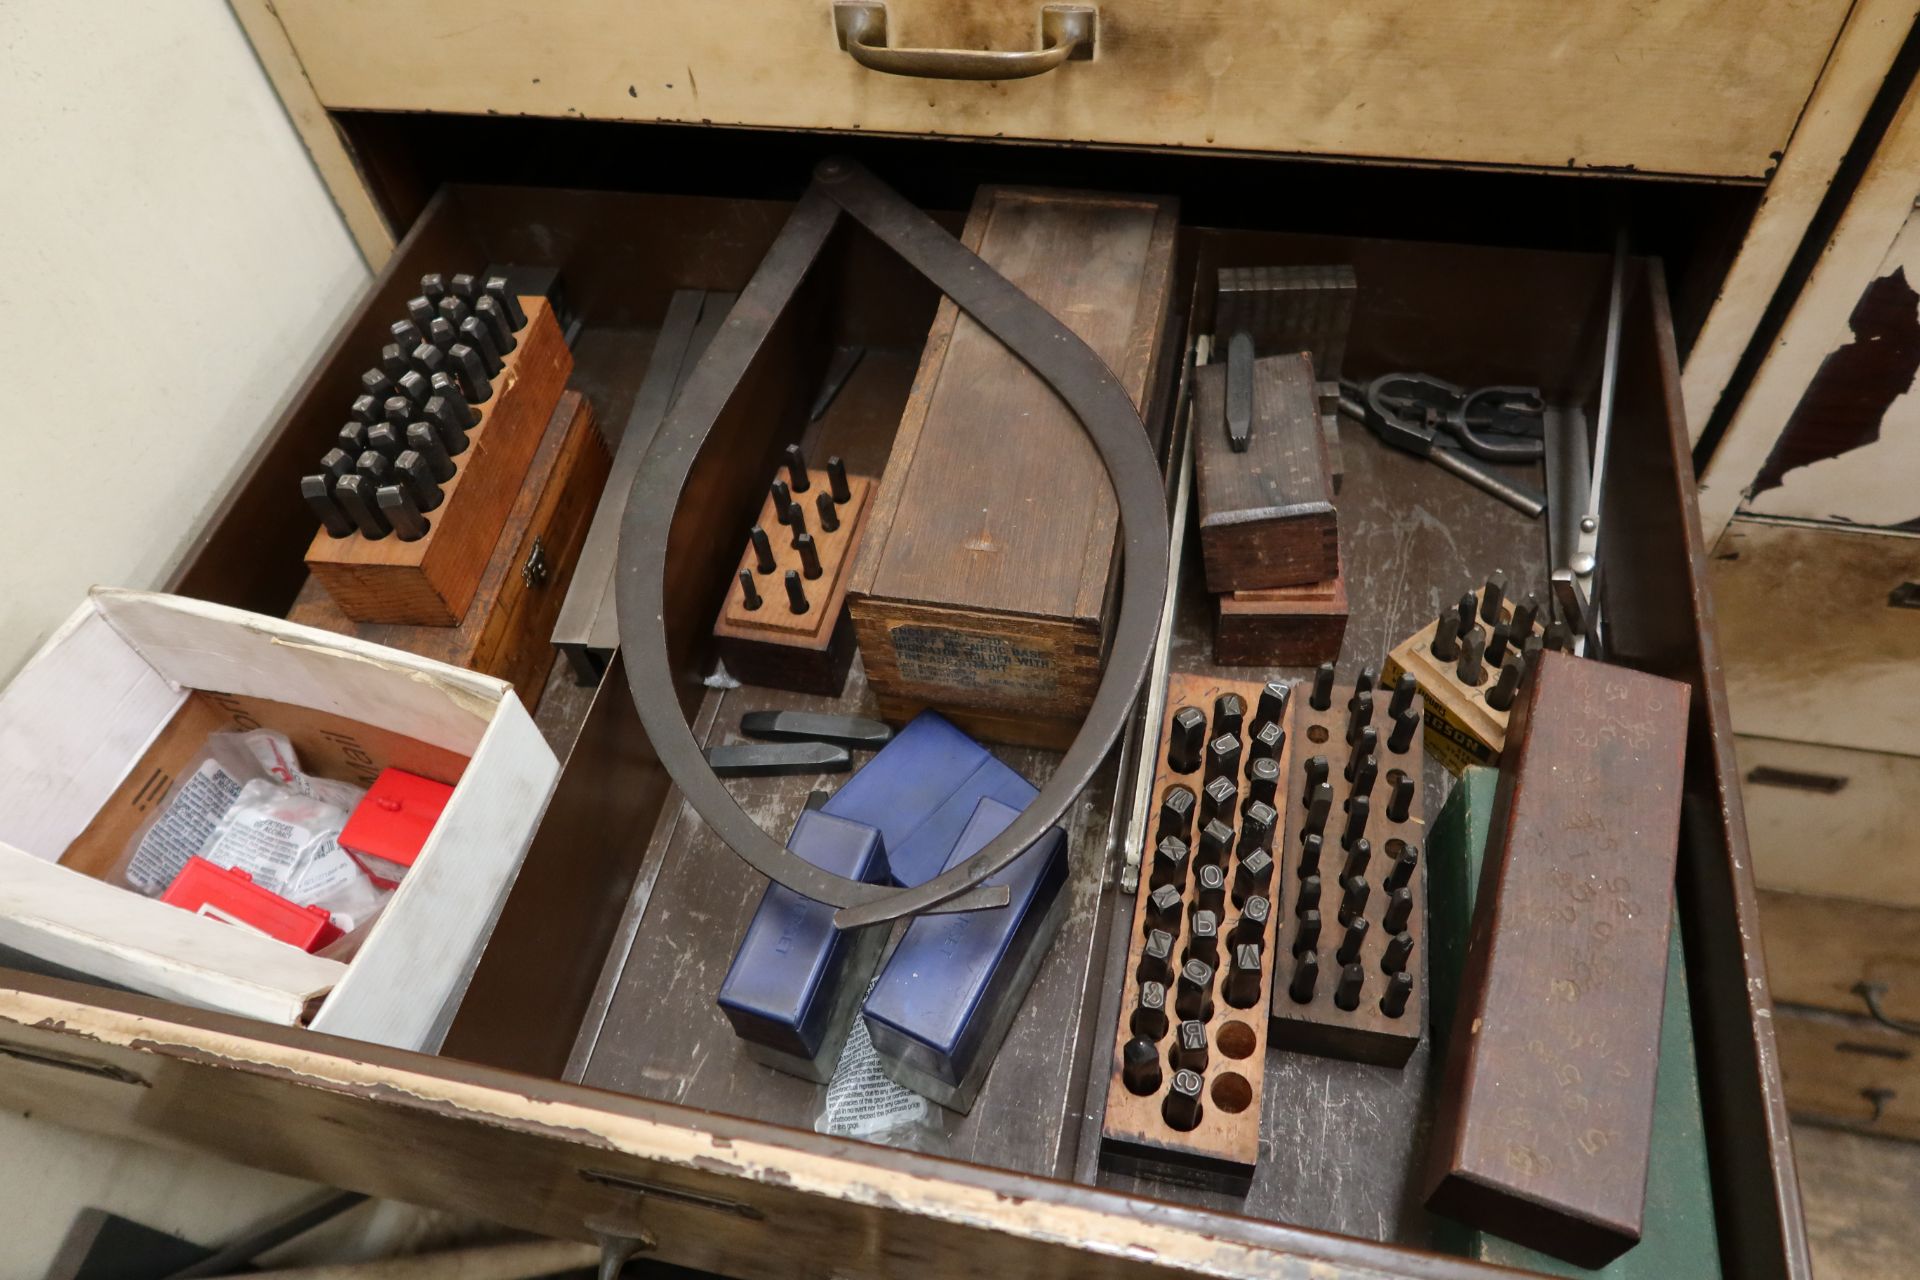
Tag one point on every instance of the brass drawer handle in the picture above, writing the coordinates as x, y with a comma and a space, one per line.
1871, 993
68, 1062
1066, 32
680, 1195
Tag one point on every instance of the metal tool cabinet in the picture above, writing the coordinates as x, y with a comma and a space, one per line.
567, 1099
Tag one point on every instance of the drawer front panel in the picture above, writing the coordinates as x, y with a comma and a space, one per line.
1822, 634
1832, 822
1832, 953
1850, 1071
1688, 86
696, 1189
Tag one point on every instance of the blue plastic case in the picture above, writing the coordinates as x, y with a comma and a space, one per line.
951, 989
795, 981
920, 791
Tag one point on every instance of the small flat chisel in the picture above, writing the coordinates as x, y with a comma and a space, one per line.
777, 759
857, 732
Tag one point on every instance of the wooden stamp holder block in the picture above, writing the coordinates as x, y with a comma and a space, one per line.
1299, 626
1366, 1033
1222, 1149
773, 646
1266, 516
432, 580
507, 629
1462, 728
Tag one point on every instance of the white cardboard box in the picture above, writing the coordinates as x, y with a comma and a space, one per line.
135, 679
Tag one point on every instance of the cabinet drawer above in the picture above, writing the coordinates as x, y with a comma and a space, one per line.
1688, 86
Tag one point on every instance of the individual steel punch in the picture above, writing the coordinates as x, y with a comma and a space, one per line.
1493, 597
356, 497
406, 335
809, 556
318, 491
429, 360
496, 288
446, 419
472, 373
1322, 696
454, 311
387, 440
393, 359
417, 476
425, 441
414, 386
420, 311
837, 480
1446, 637
796, 464
397, 505
442, 335
352, 440
1216, 843
365, 410
335, 463
829, 513
762, 546
475, 334
490, 312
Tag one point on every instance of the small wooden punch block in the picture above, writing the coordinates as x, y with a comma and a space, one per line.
431, 580
1350, 956
1282, 626
1292, 308
1547, 1096
1469, 664
1262, 478
784, 624
1190, 1050
507, 627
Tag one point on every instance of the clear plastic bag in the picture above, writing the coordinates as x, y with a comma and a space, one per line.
288, 842
206, 789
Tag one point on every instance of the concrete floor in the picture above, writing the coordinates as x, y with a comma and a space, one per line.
1861, 1196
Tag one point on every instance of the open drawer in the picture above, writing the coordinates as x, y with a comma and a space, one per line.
588, 1086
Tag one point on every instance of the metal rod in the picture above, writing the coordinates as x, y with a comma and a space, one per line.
1609, 378
1147, 759
1519, 497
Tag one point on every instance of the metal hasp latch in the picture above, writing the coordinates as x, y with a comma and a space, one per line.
534, 571
1056, 355
1574, 526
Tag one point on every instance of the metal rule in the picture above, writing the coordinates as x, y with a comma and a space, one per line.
1058, 357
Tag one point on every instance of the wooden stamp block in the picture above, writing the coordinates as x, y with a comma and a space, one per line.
772, 644
506, 629
1266, 515
432, 581
1464, 724
1296, 308
1678, 1236
1221, 1148
1299, 626
1547, 1097
987, 585
1346, 1007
